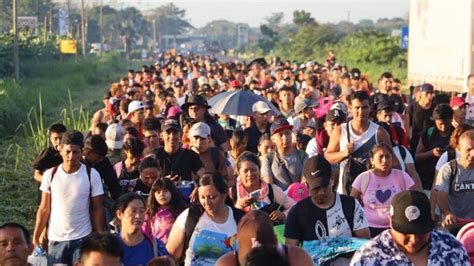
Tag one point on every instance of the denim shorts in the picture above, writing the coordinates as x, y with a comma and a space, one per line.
64, 252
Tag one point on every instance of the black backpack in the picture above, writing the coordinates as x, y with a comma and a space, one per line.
195, 212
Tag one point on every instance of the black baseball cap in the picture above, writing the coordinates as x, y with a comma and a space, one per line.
170, 124
336, 115
426, 87
317, 172
410, 213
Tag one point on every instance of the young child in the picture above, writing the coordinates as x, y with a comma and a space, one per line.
164, 204
238, 143
133, 151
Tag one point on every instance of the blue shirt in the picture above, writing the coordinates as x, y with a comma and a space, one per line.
142, 253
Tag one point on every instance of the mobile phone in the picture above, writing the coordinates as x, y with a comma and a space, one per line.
255, 194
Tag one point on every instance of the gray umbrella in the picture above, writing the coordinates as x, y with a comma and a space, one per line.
237, 102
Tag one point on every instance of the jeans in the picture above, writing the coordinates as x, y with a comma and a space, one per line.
65, 252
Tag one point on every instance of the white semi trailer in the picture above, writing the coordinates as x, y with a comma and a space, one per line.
440, 47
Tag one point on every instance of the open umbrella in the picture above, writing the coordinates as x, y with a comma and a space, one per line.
237, 102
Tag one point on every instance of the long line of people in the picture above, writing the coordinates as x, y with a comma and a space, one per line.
340, 159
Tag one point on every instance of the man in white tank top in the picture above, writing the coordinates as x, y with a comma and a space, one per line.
363, 134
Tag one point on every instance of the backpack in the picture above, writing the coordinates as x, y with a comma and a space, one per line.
348, 207
301, 155
195, 212
215, 154
453, 164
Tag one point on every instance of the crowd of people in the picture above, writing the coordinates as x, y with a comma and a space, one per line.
160, 179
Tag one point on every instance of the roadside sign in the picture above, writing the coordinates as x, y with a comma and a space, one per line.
68, 46
404, 35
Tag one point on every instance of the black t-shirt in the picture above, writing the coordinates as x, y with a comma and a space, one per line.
307, 222
431, 138
420, 120
217, 133
125, 174
254, 134
47, 158
109, 176
399, 105
184, 162
135, 185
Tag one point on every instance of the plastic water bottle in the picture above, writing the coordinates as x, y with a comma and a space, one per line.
38, 258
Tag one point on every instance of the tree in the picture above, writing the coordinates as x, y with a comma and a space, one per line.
303, 18
170, 20
221, 30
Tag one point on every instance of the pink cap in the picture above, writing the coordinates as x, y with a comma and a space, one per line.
297, 191
466, 237
173, 111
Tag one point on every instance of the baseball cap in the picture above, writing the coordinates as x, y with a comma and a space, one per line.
279, 126
202, 80
426, 87
410, 213
173, 111
200, 129
114, 136
301, 104
457, 102
297, 191
260, 107
135, 106
355, 73
179, 83
170, 124
336, 115
235, 83
317, 172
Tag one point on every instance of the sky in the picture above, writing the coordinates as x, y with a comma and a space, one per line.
200, 12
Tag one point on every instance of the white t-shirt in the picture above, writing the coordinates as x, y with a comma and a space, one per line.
70, 200
210, 240
312, 148
443, 159
408, 157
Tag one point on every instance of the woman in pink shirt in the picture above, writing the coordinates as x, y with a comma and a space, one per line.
164, 204
376, 187
252, 193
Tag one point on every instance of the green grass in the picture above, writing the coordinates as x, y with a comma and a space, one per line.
49, 92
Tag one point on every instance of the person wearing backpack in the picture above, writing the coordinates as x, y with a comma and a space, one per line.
325, 213
455, 184
284, 166
71, 204
252, 193
350, 143
376, 187
204, 232
433, 143
212, 158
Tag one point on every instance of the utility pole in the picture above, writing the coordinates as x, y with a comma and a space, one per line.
83, 29
51, 18
101, 25
16, 60
154, 34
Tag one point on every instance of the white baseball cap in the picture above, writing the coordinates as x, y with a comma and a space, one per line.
260, 107
200, 129
114, 136
134, 106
